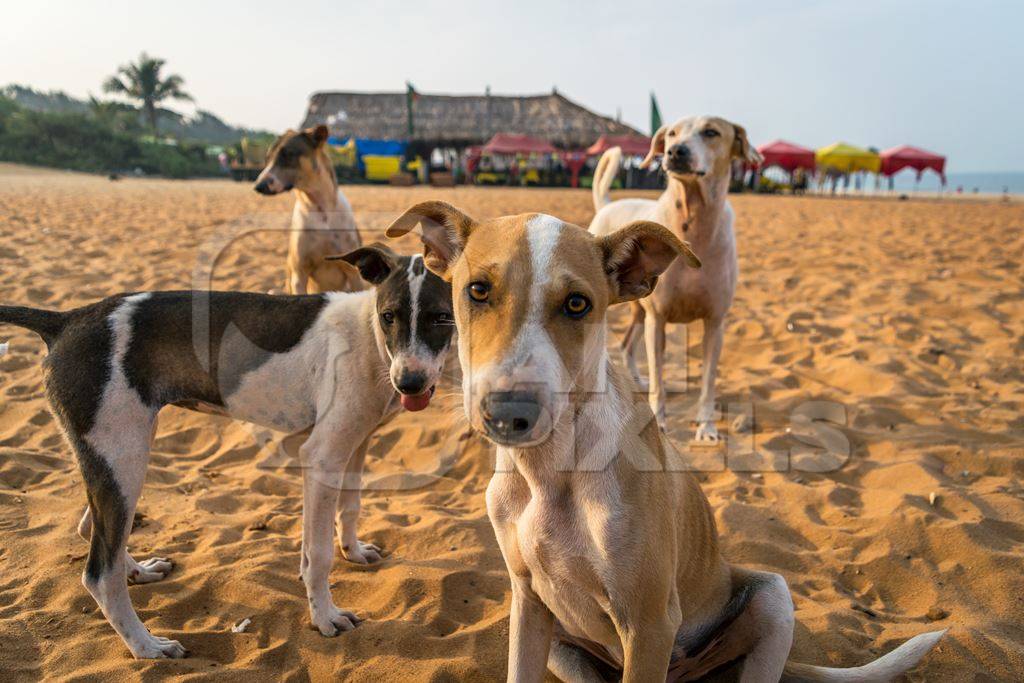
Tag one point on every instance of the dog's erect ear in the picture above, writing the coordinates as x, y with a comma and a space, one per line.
374, 262
318, 135
657, 147
443, 230
635, 255
741, 147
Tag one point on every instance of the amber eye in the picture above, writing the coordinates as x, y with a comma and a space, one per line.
479, 291
576, 306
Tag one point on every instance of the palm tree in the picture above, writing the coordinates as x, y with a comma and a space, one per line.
141, 81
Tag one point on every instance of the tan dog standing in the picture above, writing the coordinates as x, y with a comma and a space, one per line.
322, 221
698, 155
610, 544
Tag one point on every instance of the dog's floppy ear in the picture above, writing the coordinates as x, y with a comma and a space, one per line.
443, 230
318, 135
374, 262
657, 147
741, 147
635, 255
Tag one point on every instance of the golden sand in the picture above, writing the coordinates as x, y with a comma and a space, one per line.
909, 316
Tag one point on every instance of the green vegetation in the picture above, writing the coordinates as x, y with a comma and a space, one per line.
142, 81
96, 142
108, 136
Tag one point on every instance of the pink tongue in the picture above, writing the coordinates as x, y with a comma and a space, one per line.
417, 402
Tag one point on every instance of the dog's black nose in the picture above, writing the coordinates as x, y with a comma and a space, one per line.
411, 383
263, 187
679, 153
509, 416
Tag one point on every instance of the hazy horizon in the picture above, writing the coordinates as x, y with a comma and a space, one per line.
937, 75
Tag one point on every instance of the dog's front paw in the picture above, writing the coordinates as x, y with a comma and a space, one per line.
707, 433
361, 553
332, 621
154, 647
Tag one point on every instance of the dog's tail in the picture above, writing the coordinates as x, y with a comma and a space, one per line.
47, 324
885, 668
604, 176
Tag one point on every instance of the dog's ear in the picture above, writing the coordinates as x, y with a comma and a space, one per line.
657, 147
635, 255
741, 147
318, 135
444, 231
374, 262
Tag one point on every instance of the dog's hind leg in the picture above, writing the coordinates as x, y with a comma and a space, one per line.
349, 502
770, 616
755, 629
572, 664
113, 457
148, 571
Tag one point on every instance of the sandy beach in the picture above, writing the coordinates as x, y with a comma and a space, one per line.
906, 317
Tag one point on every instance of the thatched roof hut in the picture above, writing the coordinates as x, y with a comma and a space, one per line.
459, 120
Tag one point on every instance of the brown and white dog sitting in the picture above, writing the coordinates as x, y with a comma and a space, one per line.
322, 221
290, 363
610, 543
698, 154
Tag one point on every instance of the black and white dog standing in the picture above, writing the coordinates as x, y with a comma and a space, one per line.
284, 362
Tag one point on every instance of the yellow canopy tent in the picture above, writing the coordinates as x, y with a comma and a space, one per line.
847, 158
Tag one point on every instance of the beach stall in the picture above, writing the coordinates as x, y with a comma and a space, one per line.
787, 156
846, 158
522, 157
379, 159
896, 159
634, 148
796, 162
842, 161
631, 145
507, 143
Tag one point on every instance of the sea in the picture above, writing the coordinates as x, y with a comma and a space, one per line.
1011, 182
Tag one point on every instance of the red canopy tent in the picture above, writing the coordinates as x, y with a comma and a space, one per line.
787, 156
507, 143
632, 145
898, 158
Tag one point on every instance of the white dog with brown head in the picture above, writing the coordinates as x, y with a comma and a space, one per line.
610, 544
698, 156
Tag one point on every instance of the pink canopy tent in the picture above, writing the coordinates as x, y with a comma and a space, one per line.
632, 145
898, 158
507, 143
787, 156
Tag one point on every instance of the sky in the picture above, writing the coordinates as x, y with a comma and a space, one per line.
946, 76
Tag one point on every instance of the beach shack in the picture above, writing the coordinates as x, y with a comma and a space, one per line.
440, 129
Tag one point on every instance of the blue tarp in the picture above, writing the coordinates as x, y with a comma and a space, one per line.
370, 146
